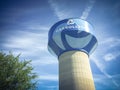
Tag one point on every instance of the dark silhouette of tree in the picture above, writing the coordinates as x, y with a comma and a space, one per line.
16, 74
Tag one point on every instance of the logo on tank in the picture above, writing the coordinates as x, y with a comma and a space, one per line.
69, 25
70, 22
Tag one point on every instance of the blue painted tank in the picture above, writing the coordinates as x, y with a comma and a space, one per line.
71, 34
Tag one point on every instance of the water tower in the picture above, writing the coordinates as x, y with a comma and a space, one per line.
72, 41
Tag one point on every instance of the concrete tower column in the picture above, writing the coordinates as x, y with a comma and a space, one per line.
75, 72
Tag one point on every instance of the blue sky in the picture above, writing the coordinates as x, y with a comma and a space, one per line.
24, 26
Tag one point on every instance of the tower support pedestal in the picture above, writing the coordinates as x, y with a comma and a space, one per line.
75, 72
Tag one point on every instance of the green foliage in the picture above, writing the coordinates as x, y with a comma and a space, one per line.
16, 74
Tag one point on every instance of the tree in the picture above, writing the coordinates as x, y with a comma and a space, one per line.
16, 74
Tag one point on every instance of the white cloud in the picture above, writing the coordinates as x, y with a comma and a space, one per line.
60, 13
48, 77
44, 61
101, 67
99, 64
64, 10
106, 46
52, 87
27, 43
111, 56
88, 9
116, 79
112, 41
103, 50
102, 79
38, 27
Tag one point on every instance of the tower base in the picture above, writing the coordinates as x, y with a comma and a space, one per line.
75, 72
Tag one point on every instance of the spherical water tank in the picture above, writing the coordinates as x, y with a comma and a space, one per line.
71, 34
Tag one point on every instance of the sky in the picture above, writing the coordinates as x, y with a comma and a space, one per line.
24, 26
